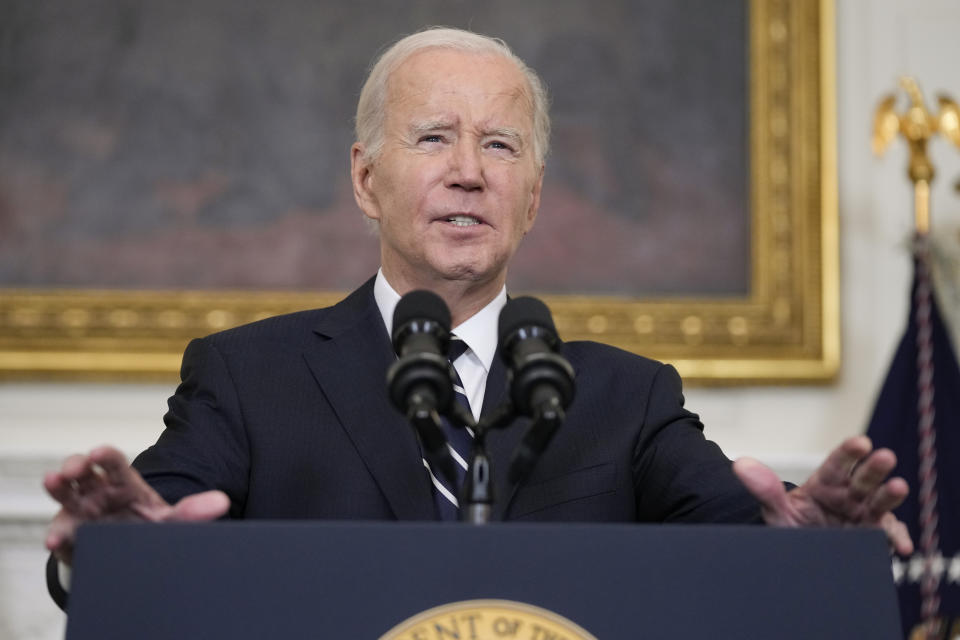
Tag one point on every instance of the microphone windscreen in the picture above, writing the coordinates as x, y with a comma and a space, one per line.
524, 312
421, 305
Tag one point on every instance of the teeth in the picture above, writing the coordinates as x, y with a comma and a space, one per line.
463, 221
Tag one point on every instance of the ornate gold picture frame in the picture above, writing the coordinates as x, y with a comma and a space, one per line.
786, 329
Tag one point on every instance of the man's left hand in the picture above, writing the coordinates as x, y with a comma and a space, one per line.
850, 488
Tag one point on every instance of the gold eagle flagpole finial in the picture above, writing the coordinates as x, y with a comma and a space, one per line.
917, 125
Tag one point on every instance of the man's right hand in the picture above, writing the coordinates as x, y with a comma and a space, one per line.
103, 487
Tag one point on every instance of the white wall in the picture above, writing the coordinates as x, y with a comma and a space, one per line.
789, 427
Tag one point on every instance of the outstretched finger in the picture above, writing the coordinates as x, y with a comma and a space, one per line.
843, 460
88, 486
897, 534
60, 535
886, 498
200, 507
871, 472
60, 489
83, 477
114, 464
126, 484
836, 502
90, 482
76, 467
65, 486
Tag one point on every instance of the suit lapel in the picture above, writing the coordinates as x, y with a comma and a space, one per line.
501, 443
349, 360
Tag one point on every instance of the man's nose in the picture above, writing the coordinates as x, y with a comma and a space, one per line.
466, 166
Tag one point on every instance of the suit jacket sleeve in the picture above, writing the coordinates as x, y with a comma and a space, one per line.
679, 475
204, 445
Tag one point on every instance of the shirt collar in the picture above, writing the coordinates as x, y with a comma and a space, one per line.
479, 331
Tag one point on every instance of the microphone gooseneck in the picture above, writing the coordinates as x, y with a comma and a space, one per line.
541, 380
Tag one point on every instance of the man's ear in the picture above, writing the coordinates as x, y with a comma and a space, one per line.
361, 175
535, 200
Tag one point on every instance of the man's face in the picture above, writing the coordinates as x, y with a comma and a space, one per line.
456, 185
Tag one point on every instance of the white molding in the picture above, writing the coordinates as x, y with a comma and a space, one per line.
23, 501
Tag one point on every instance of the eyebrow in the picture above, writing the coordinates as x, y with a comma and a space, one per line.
419, 128
504, 132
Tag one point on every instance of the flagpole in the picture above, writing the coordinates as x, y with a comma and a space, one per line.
921, 206
918, 126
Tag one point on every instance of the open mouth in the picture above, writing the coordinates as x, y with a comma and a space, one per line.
462, 221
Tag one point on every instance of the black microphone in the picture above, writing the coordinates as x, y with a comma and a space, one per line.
541, 380
419, 382
421, 334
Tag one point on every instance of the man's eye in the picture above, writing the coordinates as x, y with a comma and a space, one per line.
500, 144
431, 138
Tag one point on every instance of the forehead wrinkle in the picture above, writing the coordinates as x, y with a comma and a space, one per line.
421, 93
517, 94
425, 91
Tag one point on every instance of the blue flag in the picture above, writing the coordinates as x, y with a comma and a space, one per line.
923, 388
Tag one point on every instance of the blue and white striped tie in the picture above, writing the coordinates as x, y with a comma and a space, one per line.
459, 440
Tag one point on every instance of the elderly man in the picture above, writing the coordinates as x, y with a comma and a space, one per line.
288, 417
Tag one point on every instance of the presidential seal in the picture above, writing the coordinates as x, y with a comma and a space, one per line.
487, 620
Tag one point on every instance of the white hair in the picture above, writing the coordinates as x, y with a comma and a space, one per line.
371, 108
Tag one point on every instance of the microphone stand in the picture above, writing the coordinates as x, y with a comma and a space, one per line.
547, 419
477, 493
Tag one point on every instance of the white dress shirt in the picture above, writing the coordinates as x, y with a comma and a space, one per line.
479, 332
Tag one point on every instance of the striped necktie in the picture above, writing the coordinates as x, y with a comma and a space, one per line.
459, 440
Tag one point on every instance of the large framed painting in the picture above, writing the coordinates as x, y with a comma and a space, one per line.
172, 169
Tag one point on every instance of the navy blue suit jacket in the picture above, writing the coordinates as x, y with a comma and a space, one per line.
290, 417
